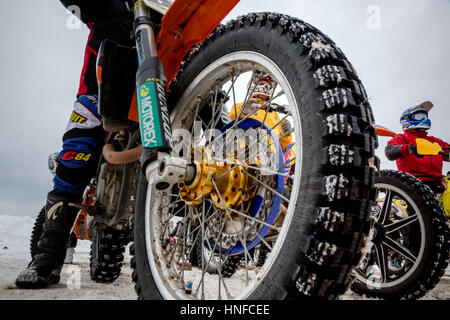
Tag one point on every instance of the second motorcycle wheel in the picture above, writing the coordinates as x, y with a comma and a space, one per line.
37, 232
410, 245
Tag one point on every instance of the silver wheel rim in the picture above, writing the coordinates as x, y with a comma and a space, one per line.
374, 283
222, 68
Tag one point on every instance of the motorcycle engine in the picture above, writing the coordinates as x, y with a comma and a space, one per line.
108, 188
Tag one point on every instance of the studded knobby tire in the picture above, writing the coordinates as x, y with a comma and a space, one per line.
331, 217
260, 255
38, 228
107, 248
435, 258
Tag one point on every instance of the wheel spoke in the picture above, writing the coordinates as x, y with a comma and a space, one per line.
281, 121
397, 247
395, 226
245, 215
184, 245
245, 226
216, 261
199, 100
268, 107
246, 100
248, 116
291, 131
382, 261
203, 247
213, 112
264, 242
206, 220
267, 186
243, 242
360, 273
236, 165
386, 209
212, 250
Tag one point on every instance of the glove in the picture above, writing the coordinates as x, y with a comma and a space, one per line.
412, 149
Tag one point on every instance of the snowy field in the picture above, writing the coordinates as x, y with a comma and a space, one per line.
75, 281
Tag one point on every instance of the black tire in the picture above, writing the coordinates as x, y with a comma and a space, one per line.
107, 248
227, 267
38, 228
331, 218
260, 255
431, 261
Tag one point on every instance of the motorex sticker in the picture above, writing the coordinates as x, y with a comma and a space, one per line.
148, 116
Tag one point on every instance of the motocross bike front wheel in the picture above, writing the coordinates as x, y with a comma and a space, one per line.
316, 229
410, 246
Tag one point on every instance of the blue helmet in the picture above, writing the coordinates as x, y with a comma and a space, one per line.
416, 118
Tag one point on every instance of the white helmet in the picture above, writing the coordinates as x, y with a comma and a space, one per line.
416, 118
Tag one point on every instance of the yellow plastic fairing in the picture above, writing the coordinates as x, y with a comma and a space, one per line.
445, 198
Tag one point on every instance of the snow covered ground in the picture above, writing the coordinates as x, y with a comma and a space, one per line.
75, 281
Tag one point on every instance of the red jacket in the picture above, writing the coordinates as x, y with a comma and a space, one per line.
428, 168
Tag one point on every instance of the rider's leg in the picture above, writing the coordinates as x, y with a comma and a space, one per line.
77, 163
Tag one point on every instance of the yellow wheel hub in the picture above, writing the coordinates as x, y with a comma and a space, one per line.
202, 185
228, 176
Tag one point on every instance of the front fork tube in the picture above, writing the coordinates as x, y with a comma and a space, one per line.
160, 169
156, 131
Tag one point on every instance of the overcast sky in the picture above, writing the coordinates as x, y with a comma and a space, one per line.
400, 48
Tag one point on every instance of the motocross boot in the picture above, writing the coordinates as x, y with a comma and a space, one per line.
45, 268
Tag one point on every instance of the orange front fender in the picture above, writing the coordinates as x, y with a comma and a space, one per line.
186, 23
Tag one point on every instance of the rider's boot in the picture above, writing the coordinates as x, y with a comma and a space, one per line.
45, 268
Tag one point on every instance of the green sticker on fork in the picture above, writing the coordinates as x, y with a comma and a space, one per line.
149, 116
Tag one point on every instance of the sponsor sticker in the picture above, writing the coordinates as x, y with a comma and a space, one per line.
148, 116
77, 118
77, 156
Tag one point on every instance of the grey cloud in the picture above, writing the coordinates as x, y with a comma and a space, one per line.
402, 64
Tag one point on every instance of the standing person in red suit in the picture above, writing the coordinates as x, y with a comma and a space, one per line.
403, 148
